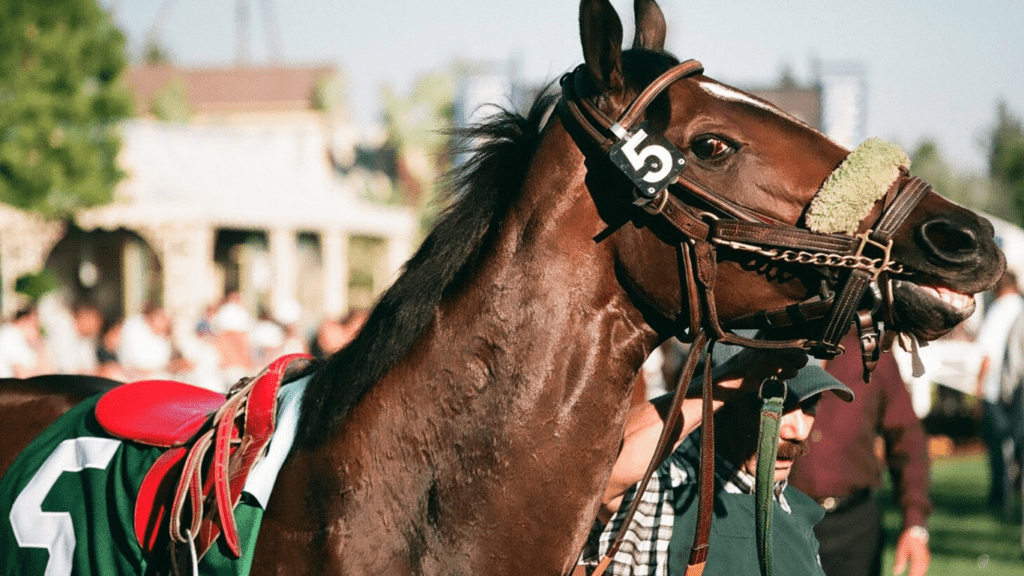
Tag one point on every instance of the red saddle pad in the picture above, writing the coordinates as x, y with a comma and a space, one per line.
161, 413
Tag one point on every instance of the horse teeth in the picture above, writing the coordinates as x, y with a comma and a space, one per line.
952, 298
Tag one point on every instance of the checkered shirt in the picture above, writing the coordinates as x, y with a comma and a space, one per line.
644, 550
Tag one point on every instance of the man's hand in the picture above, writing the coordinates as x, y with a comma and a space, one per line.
745, 371
912, 549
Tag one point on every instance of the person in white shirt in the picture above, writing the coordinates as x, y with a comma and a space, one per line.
993, 336
22, 353
145, 349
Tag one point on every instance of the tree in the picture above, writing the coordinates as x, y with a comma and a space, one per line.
974, 191
1006, 157
60, 102
418, 128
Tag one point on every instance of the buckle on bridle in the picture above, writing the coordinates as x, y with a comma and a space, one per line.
884, 261
652, 206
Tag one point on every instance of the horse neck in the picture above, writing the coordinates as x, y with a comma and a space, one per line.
508, 411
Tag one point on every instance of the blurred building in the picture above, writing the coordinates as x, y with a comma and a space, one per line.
844, 93
834, 102
232, 184
804, 102
253, 179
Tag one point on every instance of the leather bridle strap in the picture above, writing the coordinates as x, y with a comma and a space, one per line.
663, 447
909, 191
737, 227
706, 491
590, 117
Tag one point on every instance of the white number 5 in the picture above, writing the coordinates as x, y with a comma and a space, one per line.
54, 531
639, 158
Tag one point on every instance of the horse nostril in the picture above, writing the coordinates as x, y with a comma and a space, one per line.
948, 240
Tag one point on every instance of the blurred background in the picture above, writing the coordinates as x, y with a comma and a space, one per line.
224, 181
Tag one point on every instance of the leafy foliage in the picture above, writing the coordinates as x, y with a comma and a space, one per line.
969, 189
60, 102
418, 128
36, 284
1006, 157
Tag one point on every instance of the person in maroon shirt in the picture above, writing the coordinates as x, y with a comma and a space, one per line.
842, 470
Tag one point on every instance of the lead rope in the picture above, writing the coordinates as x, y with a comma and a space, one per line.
773, 397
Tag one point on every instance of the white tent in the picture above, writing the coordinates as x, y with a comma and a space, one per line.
954, 362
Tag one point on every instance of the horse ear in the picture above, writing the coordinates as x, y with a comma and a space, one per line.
650, 26
601, 35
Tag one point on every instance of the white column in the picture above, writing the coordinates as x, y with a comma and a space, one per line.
284, 263
185, 253
334, 245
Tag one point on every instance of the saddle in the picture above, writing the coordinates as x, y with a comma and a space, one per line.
190, 492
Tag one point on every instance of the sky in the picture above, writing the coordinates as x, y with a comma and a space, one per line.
935, 69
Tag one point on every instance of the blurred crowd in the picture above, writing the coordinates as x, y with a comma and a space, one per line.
227, 343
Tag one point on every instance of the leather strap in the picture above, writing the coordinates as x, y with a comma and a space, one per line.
706, 491
773, 397
783, 236
870, 346
662, 449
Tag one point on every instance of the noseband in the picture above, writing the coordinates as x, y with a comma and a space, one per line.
657, 168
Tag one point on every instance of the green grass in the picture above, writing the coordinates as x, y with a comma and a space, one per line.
966, 538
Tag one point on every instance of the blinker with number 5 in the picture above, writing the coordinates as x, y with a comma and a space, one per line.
649, 160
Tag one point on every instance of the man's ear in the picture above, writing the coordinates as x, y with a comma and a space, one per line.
601, 36
650, 26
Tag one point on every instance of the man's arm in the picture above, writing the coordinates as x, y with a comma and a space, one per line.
907, 461
742, 373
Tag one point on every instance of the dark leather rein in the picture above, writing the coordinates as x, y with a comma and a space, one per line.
656, 166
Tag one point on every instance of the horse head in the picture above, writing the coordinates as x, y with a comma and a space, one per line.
747, 193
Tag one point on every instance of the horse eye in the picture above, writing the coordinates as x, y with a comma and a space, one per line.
710, 147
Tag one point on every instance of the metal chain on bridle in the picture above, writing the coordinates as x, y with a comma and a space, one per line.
654, 165
852, 261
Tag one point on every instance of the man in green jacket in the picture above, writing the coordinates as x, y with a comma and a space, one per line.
660, 536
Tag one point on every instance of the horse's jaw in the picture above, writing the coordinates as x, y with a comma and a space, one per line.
929, 312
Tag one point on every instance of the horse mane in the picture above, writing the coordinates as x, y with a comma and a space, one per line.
478, 195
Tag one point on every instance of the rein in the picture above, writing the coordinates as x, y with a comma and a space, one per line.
655, 166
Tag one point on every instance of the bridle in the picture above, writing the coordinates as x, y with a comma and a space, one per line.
657, 169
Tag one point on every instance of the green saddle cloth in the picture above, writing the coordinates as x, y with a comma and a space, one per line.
67, 506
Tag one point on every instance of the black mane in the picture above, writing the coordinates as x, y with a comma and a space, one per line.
479, 194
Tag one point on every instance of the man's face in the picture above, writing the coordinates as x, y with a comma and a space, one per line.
794, 429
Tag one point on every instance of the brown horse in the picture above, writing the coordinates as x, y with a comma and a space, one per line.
471, 427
